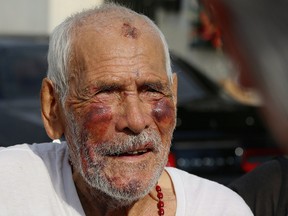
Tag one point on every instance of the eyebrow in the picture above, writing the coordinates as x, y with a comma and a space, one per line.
102, 85
107, 86
157, 85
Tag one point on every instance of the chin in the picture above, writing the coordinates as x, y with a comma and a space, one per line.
121, 193
124, 187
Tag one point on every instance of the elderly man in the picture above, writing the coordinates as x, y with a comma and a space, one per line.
111, 93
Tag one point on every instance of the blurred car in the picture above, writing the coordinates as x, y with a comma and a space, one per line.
218, 135
215, 133
23, 65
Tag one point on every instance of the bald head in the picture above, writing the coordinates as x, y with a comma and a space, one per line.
107, 22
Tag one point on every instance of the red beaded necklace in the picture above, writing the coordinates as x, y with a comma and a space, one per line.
160, 204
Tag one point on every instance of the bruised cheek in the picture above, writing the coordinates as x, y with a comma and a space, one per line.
97, 120
164, 112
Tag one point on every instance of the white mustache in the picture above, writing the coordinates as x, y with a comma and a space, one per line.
147, 140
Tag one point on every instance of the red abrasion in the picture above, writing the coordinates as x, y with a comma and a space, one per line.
97, 120
130, 31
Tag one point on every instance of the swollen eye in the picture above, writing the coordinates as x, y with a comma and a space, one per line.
152, 90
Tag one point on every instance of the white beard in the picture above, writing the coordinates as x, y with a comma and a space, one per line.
96, 178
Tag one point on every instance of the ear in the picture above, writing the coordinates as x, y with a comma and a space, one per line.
51, 110
174, 87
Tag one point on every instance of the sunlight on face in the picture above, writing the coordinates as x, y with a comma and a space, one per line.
120, 110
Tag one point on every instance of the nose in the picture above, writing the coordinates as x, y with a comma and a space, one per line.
134, 117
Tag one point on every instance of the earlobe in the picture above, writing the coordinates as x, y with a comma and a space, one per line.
50, 110
174, 87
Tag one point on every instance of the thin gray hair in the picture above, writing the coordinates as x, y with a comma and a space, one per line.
60, 45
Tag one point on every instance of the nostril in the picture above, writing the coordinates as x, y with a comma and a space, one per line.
133, 131
128, 131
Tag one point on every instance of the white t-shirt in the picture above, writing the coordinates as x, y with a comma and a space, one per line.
200, 197
36, 180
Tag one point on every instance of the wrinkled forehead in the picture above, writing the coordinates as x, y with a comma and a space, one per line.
113, 35
125, 25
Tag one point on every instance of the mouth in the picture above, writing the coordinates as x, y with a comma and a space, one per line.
131, 153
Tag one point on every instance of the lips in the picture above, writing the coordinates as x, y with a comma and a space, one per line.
131, 153
135, 150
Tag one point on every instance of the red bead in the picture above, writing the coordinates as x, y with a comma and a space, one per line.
160, 195
160, 204
158, 188
161, 211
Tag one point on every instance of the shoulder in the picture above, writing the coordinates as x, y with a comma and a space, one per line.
207, 193
264, 182
261, 176
28, 166
24, 156
20, 165
16, 154
33, 150
194, 182
37, 177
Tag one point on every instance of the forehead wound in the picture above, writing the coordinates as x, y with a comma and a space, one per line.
129, 31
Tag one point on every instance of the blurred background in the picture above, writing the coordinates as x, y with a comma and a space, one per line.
219, 133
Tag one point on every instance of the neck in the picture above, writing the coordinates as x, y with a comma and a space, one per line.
98, 203
95, 202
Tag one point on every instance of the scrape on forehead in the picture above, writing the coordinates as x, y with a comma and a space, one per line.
127, 22
129, 31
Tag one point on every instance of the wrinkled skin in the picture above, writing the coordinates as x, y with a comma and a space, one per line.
118, 86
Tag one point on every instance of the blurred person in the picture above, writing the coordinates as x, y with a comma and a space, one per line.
111, 93
255, 36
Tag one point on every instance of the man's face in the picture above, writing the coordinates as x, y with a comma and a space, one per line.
120, 110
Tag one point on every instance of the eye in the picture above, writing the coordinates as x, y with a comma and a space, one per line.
152, 90
152, 93
102, 91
